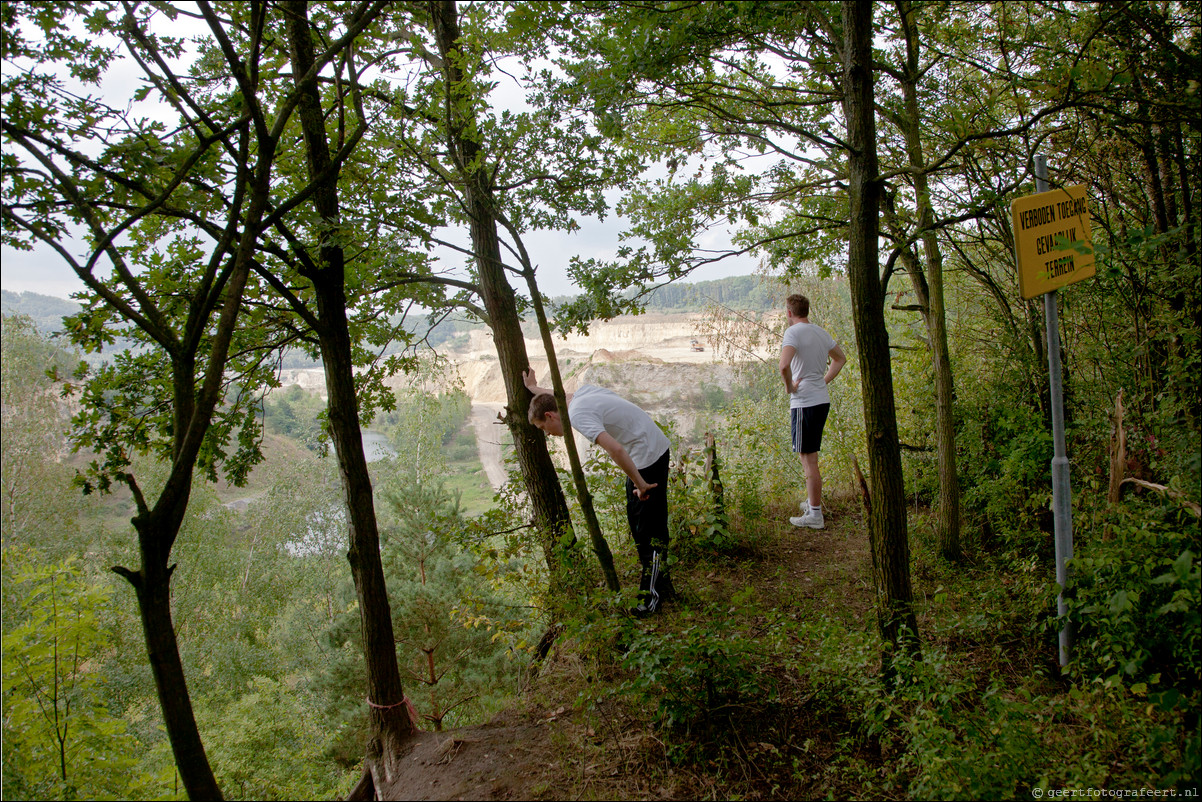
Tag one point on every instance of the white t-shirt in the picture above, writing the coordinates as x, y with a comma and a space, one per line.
811, 345
594, 410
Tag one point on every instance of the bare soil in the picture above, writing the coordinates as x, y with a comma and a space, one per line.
503, 759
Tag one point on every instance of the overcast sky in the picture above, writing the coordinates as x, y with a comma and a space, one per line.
44, 272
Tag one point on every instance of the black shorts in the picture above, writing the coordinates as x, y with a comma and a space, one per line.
807, 424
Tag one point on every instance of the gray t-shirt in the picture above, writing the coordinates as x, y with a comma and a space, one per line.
594, 410
811, 346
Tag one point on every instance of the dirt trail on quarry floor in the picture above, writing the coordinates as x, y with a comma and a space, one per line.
488, 428
541, 749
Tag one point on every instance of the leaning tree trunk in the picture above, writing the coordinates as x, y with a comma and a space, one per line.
539, 477
600, 546
930, 298
158, 527
389, 718
887, 515
538, 471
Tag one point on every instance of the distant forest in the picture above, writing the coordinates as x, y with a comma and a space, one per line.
46, 311
747, 293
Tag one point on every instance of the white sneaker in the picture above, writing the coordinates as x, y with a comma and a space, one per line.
811, 520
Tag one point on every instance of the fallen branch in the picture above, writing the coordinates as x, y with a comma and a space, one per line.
1176, 495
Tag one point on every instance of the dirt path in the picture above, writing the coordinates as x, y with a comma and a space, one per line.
488, 441
542, 749
820, 570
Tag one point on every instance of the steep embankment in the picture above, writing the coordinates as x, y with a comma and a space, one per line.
676, 344
668, 341
545, 747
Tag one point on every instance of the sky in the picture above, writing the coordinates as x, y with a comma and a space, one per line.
43, 271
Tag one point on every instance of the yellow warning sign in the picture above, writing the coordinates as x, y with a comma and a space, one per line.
1052, 240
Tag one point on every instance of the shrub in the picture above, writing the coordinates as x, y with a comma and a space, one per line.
699, 523
1006, 453
1135, 600
998, 747
696, 677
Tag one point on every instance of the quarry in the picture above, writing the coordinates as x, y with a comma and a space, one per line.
665, 363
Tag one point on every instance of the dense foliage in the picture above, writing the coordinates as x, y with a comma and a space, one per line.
264, 605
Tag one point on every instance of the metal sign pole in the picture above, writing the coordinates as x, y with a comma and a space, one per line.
1062, 516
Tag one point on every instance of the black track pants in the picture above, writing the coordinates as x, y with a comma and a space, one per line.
649, 519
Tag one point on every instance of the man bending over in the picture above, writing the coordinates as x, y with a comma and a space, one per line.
640, 449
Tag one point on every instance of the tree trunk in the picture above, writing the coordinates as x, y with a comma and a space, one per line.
538, 471
887, 521
159, 527
390, 724
931, 299
1118, 454
152, 586
539, 477
389, 719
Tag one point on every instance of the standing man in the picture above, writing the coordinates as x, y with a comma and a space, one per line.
803, 366
640, 449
